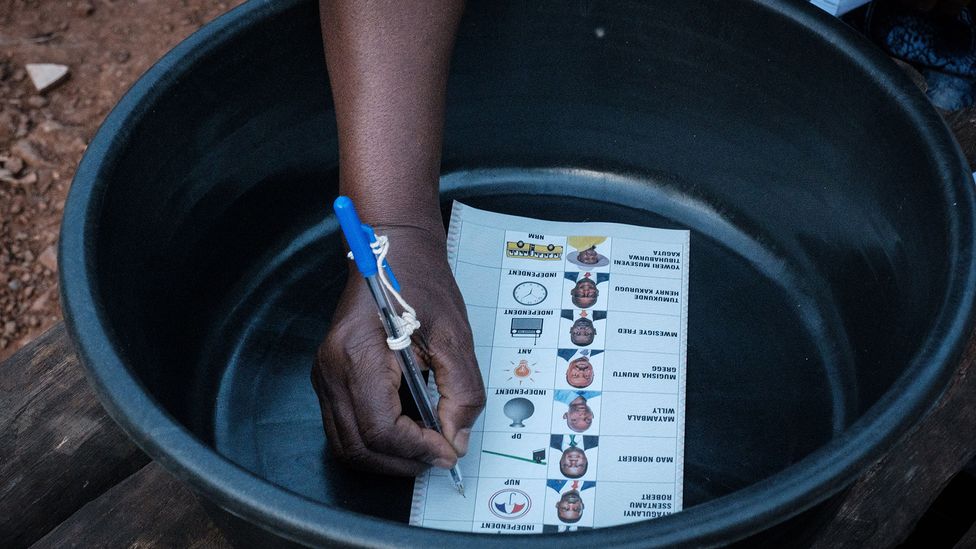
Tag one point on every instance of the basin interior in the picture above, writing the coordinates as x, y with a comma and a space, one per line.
818, 239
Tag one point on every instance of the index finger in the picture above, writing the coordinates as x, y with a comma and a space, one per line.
460, 385
385, 430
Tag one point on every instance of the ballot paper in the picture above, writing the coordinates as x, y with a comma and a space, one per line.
580, 332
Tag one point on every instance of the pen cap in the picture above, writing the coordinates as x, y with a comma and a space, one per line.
352, 229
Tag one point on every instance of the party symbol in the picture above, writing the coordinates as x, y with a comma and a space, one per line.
518, 410
509, 503
527, 327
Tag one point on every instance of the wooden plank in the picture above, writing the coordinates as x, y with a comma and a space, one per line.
58, 447
963, 126
883, 506
149, 509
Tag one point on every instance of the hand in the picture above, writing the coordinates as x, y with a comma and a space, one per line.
357, 377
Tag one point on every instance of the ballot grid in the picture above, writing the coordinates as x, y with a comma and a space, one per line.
583, 362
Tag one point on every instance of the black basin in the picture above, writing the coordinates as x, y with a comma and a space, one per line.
831, 213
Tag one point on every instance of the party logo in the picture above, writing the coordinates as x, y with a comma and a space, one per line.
509, 503
529, 250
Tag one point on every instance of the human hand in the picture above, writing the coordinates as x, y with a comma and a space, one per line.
356, 376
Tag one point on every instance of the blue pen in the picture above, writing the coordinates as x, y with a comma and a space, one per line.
359, 236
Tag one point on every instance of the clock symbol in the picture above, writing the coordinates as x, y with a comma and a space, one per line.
530, 293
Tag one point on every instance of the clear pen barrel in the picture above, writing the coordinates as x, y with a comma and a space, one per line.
405, 357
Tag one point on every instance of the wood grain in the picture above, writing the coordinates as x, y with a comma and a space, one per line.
58, 447
148, 509
883, 506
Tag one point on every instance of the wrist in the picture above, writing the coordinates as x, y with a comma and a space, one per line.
399, 209
414, 237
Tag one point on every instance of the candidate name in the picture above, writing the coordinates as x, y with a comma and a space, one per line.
645, 459
648, 294
658, 260
644, 375
656, 416
655, 333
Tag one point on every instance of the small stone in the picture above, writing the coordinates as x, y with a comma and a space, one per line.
25, 278
14, 285
49, 258
49, 126
16, 207
40, 303
28, 291
79, 144
37, 101
4, 343
8, 126
121, 56
33, 321
14, 164
44, 180
26, 150
18, 75
9, 328
28, 179
46, 75
85, 8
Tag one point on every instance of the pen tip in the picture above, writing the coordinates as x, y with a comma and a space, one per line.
460, 488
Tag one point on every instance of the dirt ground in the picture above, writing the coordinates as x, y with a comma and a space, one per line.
107, 45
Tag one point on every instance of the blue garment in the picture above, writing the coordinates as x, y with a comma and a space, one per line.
942, 47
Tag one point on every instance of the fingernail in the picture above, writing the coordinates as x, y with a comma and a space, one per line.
461, 440
442, 463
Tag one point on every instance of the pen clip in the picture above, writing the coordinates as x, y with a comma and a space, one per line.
371, 235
